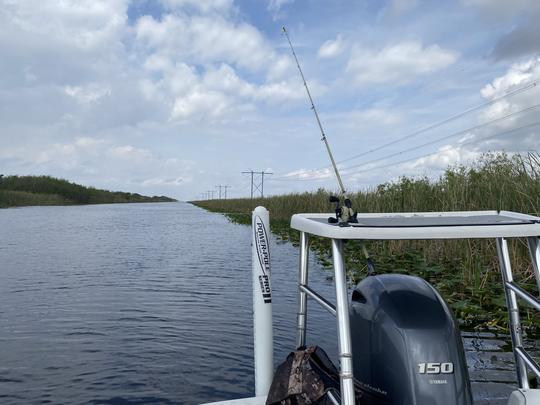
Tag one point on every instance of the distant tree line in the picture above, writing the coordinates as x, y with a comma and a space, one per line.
46, 190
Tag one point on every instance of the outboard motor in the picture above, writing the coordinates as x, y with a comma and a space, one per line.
407, 349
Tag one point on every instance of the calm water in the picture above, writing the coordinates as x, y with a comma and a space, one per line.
151, 303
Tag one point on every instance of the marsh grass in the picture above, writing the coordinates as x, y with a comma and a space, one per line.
465, 271
16, 191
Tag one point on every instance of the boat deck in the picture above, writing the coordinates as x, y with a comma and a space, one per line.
243, 401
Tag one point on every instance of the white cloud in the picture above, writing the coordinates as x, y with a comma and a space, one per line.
281, 67
88, 94
398, 7
277, 4
447, 155
85, 24
135, 90
398, 63
371, 116
518, 76
331, 48
93, 161
158, 63
129, 152
88, 143
502, 8
159, 181
63, 155
200, 104
217, 91
83, 148
520, 133
274, 6
194, 65
430, 165
225, 79
309, 174
169, 66
205, 39
204, 6
280, 92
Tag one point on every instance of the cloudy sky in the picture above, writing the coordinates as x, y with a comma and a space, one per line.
177, 96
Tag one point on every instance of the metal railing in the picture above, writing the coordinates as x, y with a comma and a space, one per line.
512, 292
523, 359
340, 310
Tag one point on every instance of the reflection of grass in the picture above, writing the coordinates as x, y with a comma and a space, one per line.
464, 271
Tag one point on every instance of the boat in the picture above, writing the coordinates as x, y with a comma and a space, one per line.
398, 340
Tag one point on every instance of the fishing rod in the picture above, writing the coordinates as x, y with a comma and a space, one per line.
336, 171
344, 214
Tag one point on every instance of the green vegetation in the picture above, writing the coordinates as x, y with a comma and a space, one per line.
464, 271
16, 191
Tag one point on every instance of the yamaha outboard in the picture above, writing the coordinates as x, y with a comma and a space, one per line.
407, 349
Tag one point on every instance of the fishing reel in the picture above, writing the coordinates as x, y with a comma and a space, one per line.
344, 213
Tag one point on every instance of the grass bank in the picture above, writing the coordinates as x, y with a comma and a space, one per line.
17, 191
466, 271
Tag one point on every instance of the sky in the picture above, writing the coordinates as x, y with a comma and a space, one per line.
176, 97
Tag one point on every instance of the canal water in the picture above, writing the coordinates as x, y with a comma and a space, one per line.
151, 304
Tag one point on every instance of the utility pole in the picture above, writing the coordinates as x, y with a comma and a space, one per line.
262, 182
255, 186
250, 172
221, 186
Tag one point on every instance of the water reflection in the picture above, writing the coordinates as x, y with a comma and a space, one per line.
151, 303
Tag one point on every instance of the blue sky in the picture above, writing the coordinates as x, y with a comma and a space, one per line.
177, 96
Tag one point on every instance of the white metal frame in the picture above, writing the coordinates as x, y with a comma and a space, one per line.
314, 224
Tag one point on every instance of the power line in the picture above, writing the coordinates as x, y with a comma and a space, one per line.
428, 84
417, 157
476, 127
444, 121
437, 124
435, 153
485, 124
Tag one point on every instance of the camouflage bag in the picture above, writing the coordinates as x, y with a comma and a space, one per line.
304, 378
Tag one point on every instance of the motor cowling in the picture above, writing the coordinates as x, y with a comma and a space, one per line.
407, 349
